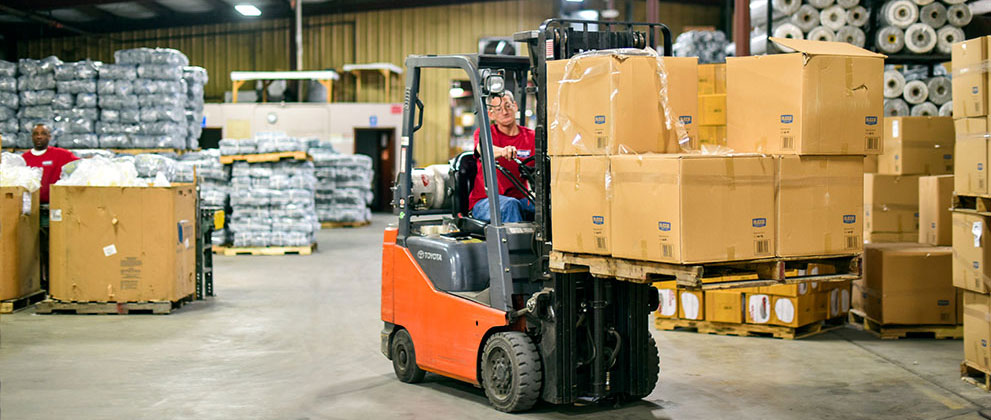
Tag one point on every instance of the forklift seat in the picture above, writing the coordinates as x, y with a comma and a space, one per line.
464, 169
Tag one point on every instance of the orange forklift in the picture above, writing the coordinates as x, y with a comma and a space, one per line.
477, 301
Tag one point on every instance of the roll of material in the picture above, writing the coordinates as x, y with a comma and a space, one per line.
923, 2
946, 110
900, 13
958, 15
896, 107
851, 35
940, 91
894, 84
925, 109
848, 4
806, 18
758, 13
821, 33
920, 38
833, 18
786, 7
788, 30
946, 37
890, 39
933, 14
916, 92
857, 16
820, 4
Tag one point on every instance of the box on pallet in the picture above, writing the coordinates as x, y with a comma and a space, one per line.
891, 204
611, 102
668, 208
971, 150
712, 78
691, 305
823, 99
977, 329
819, 205
668, 296
935, 200
917, 146
724, 306
870, 164
905, 283
793, 311
580, 191
971, 252
970, 78
122, 244
20, 273
682, 73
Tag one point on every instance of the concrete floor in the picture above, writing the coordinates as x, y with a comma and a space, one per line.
297, 338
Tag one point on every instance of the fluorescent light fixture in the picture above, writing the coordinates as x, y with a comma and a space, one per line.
248, 10
574, 1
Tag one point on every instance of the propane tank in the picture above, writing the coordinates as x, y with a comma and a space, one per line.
429, 186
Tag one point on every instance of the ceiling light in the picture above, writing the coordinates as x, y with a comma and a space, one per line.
574, 1
248, 10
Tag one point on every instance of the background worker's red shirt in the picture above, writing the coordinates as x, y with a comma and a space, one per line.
51, 163
525, 145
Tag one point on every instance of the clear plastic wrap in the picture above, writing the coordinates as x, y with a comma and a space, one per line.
74, 126
84, 113
7, 114
163, 128
10, 100
100, 171
36, 82
25, 125
36, 112
195, 75
9, 127
61, 101
77, 70
218, 237
167, 56
28, 66
8, 69
114, 141
149, 165
86, 100
162, 100
8, 84
37, 97
118, 101
104, 127
227, 147
150, 114
77, 86
118, 71
159, 72
79, 141
157, 142
14, 172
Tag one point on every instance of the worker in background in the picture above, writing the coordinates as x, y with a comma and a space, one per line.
509, 142
50, 160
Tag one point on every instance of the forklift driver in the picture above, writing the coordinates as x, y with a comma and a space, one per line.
509, 142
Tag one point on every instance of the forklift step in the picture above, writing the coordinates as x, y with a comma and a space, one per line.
721, 275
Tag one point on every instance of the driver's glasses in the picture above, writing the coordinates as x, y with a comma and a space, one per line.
507, 107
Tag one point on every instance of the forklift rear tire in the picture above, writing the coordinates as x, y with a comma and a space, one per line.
404, 359
512, 372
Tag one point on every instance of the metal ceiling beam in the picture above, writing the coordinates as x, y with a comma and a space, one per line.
48, 21
157, 7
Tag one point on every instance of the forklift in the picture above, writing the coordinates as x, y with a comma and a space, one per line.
476, 301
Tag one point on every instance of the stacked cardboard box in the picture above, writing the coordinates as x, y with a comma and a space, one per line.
907, 284
19, 245
712, 104
914, 147
970, 229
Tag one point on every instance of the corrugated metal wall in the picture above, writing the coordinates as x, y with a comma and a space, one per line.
331, 41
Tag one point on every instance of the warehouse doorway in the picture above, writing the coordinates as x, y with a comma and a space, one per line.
379, 144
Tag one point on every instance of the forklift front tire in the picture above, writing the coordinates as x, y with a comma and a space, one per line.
512, 372
404, 359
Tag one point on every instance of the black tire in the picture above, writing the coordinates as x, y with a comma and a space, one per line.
404, 359
512, 372
653, 368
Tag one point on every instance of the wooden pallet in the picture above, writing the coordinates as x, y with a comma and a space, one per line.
54, 306
264, 157
768, 271
894, 332
265, 250
973, 204
11, 305
750, 330
335, 225
975, 375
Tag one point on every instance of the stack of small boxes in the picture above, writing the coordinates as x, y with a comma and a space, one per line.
971, 250
907, 275
712, 104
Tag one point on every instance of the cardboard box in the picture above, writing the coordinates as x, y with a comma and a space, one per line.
122, 244
712, 135
970, 246
819, 205
724, 306
824, 99
917, 145
790, 290
935, 200
712, 78
668, 294
758, 308
683, 76
970, 127
908, 284
606, 103
870, 164
20, 270
971, 164
793, 311
692, 208
579, 191
712, 109
837, 298
970, 78
691, 305
891, 203
888, 237
977, 329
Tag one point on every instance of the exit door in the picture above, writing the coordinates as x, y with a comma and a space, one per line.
379, 144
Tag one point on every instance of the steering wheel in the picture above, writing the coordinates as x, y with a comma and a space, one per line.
516, 181
526, 171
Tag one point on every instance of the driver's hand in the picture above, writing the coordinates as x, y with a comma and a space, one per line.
509, 152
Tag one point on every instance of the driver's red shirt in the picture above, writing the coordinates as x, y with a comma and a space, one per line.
524, 142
